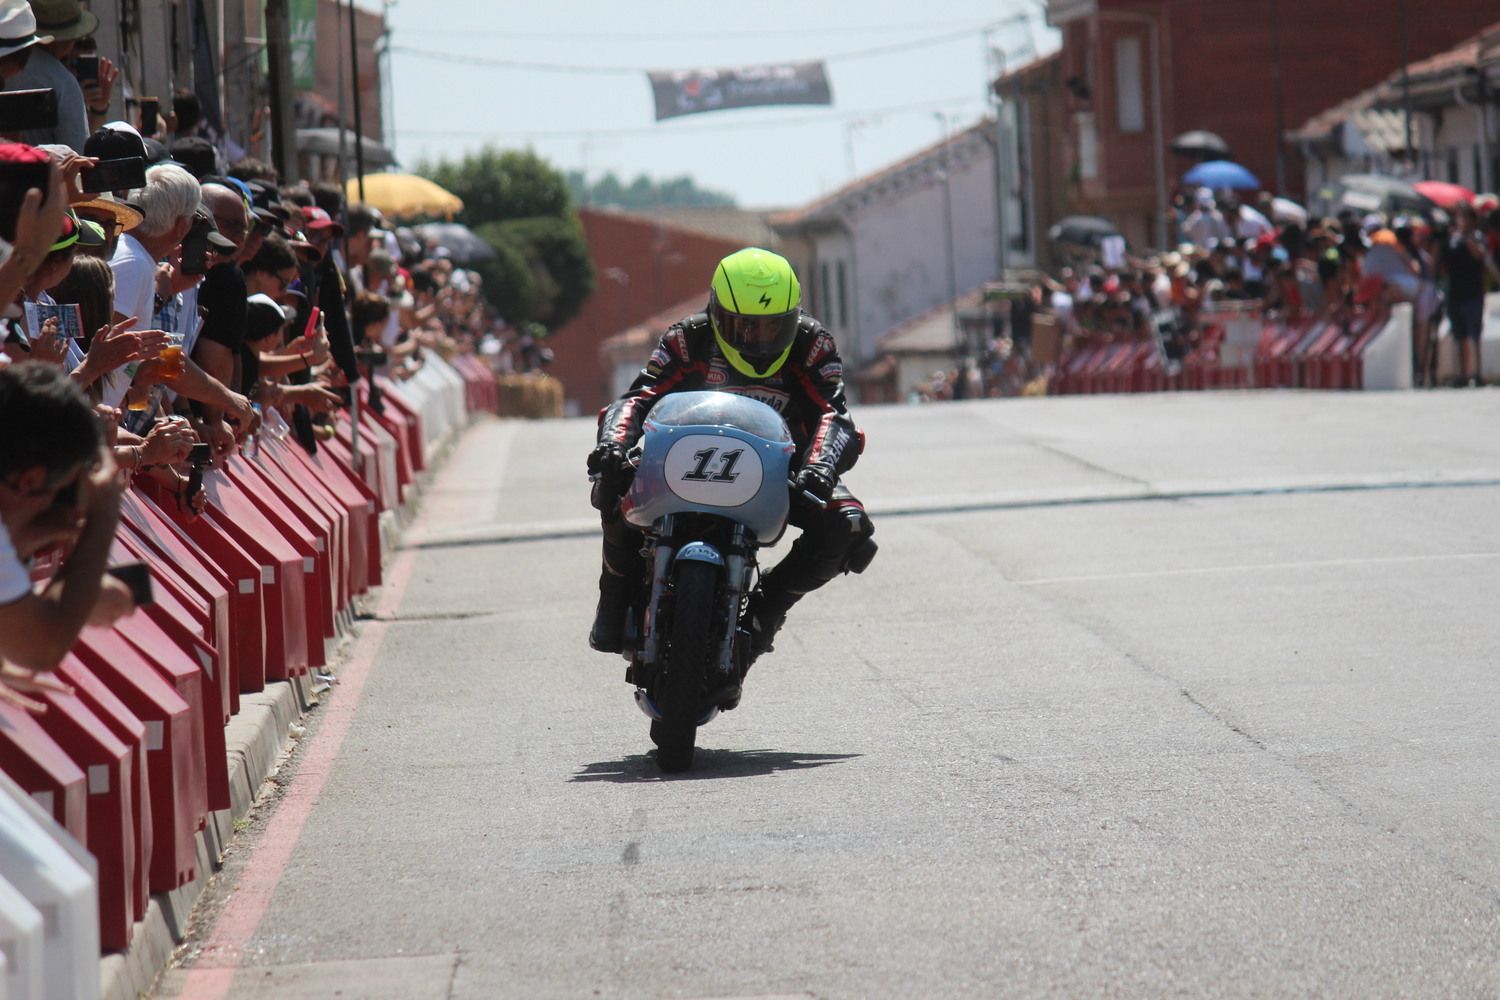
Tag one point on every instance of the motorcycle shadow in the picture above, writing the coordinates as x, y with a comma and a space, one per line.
709, 763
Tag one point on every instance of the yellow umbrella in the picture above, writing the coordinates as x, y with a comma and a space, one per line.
405, 195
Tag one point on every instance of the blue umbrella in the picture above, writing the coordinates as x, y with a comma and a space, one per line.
1219, 174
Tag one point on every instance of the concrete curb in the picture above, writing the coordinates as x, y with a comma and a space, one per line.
256, 739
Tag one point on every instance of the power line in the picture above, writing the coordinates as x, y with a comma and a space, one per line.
595, 69
658, 129
687, 36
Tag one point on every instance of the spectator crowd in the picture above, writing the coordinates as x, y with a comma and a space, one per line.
152, 328
1264, 256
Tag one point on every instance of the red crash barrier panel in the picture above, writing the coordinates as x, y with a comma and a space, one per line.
108, 764
36, 763
309, 572
128, 728
174, 752
144, 521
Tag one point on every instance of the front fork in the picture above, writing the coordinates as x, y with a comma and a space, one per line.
737, 569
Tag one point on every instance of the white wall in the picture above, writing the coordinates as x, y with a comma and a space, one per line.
901, 264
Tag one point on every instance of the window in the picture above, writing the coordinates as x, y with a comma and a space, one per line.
824, 295
1129, 103
1088, 146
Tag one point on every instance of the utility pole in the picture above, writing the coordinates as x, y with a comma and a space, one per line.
1411, 153
359, 125
1277, 96
283, 122
958, 335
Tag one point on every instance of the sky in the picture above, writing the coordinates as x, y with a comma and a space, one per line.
899, 78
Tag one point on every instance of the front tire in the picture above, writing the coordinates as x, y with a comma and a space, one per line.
680, 684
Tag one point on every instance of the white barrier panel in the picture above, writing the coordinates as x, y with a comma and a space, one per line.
1387, 357
1489, 344
21, 949
60, 879
457, 395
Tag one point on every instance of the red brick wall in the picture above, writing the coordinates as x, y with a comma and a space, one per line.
662, 266
1217, 74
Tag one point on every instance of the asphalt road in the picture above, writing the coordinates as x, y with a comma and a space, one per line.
1179, 695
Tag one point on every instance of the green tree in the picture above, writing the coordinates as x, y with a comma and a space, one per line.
643, 192
508, 184
558, 257
521, 206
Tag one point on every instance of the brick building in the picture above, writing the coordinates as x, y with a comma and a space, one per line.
1135, 73
642, 267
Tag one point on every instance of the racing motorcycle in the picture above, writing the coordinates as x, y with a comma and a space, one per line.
710, 488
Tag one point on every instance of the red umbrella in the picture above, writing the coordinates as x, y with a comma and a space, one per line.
1443, 194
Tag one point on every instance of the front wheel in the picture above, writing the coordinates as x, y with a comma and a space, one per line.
680, 685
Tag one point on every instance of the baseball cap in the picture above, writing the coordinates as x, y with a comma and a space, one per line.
316, 218
114, 141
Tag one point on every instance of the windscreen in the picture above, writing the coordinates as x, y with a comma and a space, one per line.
682, 409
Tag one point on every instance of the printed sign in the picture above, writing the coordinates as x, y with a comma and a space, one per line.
690, 92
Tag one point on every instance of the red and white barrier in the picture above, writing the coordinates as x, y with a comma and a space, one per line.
114, 788
1373, 352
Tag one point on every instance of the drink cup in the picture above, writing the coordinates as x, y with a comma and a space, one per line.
172, 362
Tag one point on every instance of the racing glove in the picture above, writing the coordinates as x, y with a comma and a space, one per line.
608, 463
817, 479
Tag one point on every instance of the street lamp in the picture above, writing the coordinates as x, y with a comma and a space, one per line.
958, 337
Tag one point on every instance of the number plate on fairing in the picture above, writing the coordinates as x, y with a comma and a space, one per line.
714, 470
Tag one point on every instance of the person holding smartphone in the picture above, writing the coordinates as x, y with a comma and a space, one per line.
65, 22
58, 485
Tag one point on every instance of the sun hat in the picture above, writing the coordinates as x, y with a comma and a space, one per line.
122, 215
18, 27
64, 19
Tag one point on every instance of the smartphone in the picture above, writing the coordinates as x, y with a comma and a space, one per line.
312, 323
137, 577
200, 454
114, 175
374, 358
86, 68
28, 109
150, 107
195, 255
15, 180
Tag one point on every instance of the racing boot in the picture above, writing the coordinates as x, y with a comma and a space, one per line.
608, 633
765, 613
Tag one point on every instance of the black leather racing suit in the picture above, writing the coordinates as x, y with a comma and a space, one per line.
808, 392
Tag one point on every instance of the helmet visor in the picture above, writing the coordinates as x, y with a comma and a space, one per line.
759, 337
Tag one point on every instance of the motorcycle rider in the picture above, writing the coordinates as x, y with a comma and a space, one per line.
753, 340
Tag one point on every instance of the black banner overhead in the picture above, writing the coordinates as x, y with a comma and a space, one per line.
690, 92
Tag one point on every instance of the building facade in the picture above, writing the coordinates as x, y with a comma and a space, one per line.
876, 252
1136, 73
643, 267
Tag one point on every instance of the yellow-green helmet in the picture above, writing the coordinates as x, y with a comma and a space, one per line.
753, 304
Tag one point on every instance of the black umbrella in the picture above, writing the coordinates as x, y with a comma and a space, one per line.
1380, 193
464, 246
1200, 145
1085, 230
325, 142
